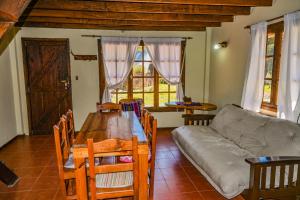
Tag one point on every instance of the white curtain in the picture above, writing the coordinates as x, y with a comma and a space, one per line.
254, 80
166, 57
118, 58
289, 78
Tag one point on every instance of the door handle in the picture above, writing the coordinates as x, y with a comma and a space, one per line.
66, 84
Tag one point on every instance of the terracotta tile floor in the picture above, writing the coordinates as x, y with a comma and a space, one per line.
33, 159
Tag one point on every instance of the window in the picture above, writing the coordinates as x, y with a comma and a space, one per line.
272, 66
145, 82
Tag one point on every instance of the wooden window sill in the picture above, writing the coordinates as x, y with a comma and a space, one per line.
268, 113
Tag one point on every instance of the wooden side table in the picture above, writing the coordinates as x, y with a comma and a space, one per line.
191, 107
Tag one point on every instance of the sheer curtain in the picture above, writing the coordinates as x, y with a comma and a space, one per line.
166, 57
289, 78
254, 80
118, 57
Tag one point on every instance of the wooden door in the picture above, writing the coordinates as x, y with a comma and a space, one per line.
47, 76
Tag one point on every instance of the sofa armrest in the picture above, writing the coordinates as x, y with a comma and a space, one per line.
263, 180
197, 119
274, 160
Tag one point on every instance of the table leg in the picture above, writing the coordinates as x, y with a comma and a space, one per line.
143, 171
80, 176
189, 111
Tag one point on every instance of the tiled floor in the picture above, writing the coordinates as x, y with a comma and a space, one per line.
33, 159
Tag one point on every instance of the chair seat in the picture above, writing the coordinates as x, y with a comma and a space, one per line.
114, 180
69, 164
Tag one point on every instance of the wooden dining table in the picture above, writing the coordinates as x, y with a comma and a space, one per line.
102, 126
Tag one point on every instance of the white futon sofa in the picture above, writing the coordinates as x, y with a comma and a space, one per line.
219, 150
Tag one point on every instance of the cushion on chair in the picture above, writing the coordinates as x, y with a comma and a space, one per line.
128, 159
114, 180
133, 106
69, 164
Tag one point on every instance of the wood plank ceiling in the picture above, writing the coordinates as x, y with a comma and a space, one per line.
168, 15
10, 11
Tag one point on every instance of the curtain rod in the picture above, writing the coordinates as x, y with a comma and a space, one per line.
273, 19
99, 36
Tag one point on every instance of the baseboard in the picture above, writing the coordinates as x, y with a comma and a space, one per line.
166, 128
10, 141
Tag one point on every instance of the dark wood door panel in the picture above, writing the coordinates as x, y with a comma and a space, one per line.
47, 74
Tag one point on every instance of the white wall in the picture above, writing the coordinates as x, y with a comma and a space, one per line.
8, 127
85, 91
228, 65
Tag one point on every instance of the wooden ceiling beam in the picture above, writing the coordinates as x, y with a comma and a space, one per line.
206, 2
11, 10
108, 22
141, 7
4, 26
112, 27
7, 17
128, 16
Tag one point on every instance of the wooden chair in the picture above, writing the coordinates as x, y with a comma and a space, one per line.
68, 125
108, 107
151, 132
117, 179
66, 175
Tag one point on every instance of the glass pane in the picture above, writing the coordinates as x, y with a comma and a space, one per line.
137, 69
149, 84
139, 54
163, 99
267, 91
124, 87
270, 44
122, 96
146, 55
138, 96
148, 69
137, 84
163, 85
173, 97
113, 96
149, 99
269, 67
173, 88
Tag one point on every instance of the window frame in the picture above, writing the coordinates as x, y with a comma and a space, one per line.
156, 107
277, 29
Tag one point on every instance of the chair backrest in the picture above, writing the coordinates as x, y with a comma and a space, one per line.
144, 118
108, 107
151, 133
61, 145
136, 105
108, 148
68, 125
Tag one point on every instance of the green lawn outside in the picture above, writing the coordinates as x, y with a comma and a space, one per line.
149, 97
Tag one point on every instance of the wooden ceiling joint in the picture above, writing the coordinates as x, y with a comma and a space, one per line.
155, 15
205, 2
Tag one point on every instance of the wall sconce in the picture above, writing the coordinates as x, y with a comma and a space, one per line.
221, 45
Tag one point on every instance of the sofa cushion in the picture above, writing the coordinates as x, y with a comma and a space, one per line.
239, 125
280, 138
221, 159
